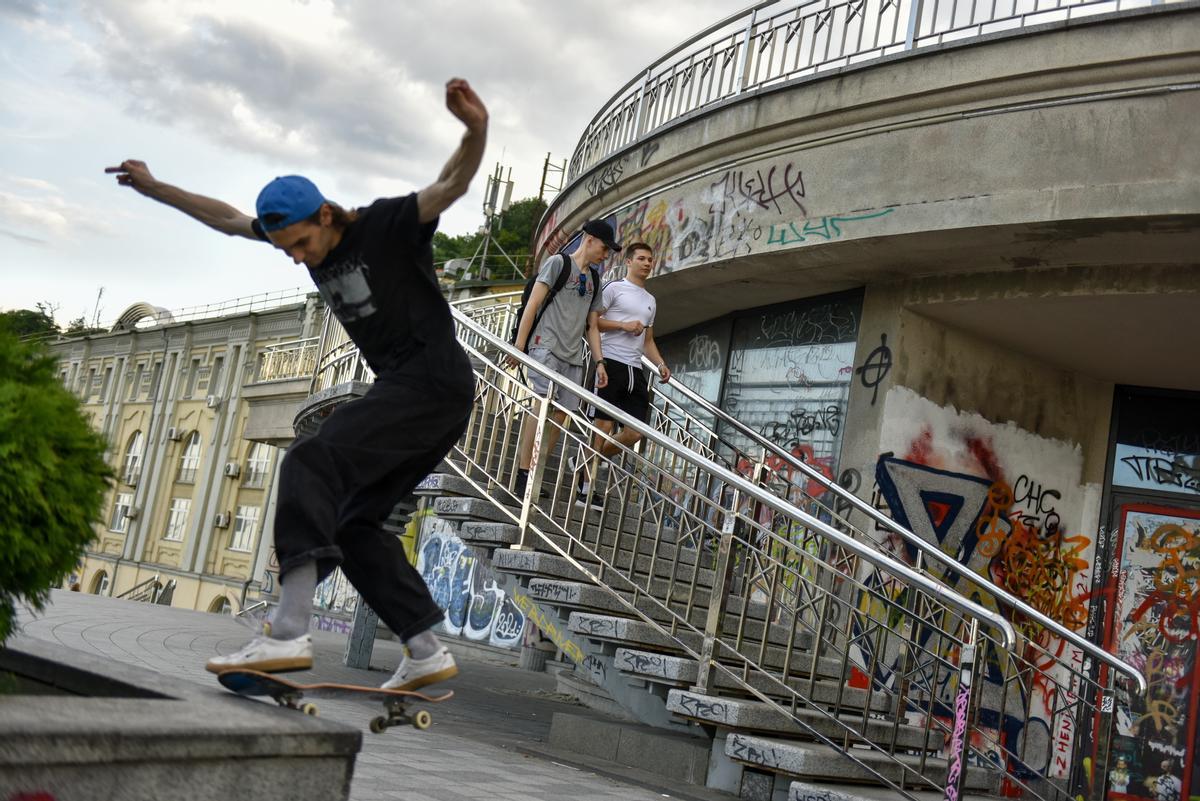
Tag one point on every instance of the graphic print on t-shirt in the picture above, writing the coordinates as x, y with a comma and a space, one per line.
345, 289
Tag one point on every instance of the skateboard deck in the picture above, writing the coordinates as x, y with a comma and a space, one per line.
291, 694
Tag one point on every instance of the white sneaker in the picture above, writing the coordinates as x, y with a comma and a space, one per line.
414, 673
267, 655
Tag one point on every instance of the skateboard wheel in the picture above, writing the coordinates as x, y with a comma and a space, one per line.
422, 720
309, 709
379, 725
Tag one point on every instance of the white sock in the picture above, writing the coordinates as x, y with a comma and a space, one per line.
295, 602
423, 645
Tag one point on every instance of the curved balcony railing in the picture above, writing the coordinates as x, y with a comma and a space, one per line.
779, 40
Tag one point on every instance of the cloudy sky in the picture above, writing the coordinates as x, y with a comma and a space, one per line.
218, 97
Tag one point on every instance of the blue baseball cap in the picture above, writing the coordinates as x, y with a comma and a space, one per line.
286, 201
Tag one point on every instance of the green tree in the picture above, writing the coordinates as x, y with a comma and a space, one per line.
52, 477
79, 327
513, 231
29, 322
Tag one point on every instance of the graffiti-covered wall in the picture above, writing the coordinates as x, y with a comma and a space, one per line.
1014, 507
760, 206
464, 586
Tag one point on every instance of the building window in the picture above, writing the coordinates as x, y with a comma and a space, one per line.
192, 379
120, 513
190, 459
133, 459
135, 384
104, 387
256, 465
243, 528
177, 519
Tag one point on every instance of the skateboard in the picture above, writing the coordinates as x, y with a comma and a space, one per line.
290, 694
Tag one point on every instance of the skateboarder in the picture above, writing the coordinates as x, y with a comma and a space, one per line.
374, 268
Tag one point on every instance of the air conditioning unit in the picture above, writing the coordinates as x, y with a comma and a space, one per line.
213, 401
132, 513
233, 469
174, 434
221, 520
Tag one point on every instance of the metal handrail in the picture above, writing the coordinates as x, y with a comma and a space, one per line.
926, 547
944, 594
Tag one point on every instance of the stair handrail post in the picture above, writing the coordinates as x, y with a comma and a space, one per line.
537, 468
964, 701
722, 578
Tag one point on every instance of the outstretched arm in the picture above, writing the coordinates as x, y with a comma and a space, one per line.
460, 169
213, 213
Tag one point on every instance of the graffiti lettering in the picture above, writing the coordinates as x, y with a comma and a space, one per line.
827, 228
876, 367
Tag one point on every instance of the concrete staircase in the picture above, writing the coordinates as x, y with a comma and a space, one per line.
636, 632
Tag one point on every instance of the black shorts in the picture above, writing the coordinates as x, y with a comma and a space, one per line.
628, 389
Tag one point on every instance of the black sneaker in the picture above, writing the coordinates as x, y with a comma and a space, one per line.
519, 488
589, 500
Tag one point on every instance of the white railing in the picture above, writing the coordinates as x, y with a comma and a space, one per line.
285, 360
780, 40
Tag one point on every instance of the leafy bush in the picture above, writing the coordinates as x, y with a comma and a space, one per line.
52, 478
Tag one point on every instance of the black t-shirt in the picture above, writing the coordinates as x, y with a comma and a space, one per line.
380, 284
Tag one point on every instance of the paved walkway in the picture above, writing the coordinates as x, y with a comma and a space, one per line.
469, 753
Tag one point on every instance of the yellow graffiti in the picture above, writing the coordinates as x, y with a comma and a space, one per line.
547, 627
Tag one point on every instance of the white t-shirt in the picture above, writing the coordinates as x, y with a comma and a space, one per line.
623, 301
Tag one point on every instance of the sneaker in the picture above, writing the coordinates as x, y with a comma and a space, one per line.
589, 500
415, 673
267, 655
519, 488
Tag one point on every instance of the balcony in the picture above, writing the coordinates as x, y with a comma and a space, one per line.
282, 380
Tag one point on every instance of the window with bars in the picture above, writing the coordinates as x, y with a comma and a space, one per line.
119, 522
257, 463
132, 467
177, 519
244, 528
190, 461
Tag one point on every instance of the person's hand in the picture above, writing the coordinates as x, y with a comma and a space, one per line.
466, 105
134, 174
634, 327
664, 373
510, 362
601, 376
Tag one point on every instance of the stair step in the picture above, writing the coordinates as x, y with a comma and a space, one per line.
489, 534
819, 762
736, 713
663, 568
609, 628
436, 484
453, 507
683, 672
803, 791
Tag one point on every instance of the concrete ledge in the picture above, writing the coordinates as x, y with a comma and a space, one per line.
149, 733
677, 757
453, 507
489, 534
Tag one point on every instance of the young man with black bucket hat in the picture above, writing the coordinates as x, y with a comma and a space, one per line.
374, 269
552, 335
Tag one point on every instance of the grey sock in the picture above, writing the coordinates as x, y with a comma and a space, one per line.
295, 602
423, 645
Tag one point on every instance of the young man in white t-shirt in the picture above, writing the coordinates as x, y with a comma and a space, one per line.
626, 332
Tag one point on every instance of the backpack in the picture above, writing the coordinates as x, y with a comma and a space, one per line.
558, 284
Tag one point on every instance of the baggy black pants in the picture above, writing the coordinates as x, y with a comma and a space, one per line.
337, 487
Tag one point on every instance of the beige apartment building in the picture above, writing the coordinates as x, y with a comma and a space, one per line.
195, 407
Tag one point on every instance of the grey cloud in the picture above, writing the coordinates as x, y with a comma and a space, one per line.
23, 238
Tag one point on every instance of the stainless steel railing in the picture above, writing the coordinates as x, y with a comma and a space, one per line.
775, 595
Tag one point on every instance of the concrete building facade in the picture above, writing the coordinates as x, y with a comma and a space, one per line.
194, 412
